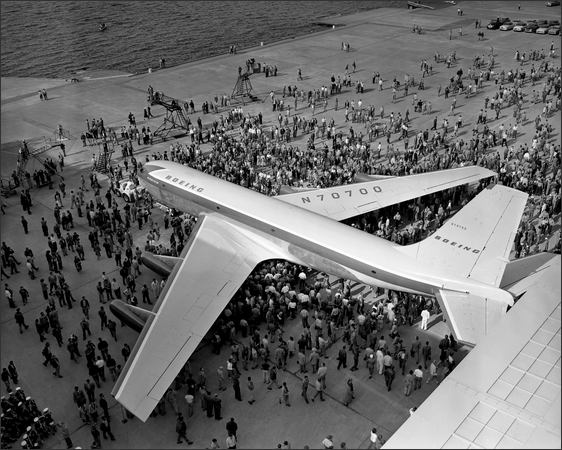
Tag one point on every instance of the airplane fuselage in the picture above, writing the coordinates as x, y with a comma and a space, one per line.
312, 239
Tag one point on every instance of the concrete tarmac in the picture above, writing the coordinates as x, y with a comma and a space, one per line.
381, 40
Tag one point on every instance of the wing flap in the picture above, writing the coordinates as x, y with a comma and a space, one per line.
218, 258
343, 202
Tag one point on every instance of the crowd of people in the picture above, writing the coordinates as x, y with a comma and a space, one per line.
22, 421
282, 313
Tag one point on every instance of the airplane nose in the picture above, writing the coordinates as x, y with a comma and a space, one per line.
151, 167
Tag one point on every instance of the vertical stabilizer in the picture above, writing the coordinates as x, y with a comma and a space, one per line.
476, 242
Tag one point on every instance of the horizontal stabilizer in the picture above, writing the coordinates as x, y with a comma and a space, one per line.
350, 200
470, 317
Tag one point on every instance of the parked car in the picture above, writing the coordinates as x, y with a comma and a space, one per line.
507, 26
129, 191
520, 26
553, 3
497, 22
531, 27
543, 29
554, 30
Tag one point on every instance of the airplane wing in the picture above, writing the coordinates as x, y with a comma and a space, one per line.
343, 202
217, 259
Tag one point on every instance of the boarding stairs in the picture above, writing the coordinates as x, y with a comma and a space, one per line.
103, 161
34, 151
174, 119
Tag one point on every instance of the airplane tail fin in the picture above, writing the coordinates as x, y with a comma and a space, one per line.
476, 242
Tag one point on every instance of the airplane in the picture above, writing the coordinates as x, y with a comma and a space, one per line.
461, 264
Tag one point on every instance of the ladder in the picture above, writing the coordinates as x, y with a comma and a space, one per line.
243, 87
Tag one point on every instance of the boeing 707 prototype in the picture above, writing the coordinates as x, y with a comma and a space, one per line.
461, 264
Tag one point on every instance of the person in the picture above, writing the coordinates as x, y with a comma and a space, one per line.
284, 394
181, 429
232, 427
236, 387
319, 389
214, 444
251, 388
104, 407
388, 376
304, 389
6, 379
373, 438
418, 378
13, 372
189, 399
96, 435
105, 428
90, 389
432, 372
425, 317
78, 263
231, 441
408, 383
24, 225
328, 441
66, 435
85, 305
349, 393
20, 320
9, 296
217, 406
272, 377
342, 358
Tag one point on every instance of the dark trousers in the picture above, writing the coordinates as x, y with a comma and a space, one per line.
237, 394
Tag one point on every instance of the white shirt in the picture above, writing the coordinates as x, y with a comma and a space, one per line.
432, 370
